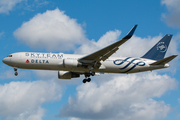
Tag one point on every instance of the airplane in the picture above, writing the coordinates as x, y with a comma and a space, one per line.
73, 65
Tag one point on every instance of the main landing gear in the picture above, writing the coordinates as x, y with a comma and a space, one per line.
15, 70
88, 75
87, 80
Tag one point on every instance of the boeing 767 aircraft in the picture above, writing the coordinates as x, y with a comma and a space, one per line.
72, 65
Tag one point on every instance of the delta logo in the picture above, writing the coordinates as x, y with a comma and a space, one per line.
27, 61
37, 61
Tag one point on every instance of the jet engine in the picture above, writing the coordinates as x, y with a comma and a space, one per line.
67, 75
68, 63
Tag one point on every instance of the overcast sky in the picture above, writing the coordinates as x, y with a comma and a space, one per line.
83, 27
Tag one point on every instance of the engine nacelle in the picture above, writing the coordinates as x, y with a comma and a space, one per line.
68, 63
67, 75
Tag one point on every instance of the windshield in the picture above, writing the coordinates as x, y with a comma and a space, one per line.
9, 56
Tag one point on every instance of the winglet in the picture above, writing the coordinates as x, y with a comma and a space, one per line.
130, 33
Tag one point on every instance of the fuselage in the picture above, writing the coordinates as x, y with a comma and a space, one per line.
57, 61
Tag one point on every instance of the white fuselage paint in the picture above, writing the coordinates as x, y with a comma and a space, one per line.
54, 61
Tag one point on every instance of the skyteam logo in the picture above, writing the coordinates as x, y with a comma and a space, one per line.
161, 46
127, 63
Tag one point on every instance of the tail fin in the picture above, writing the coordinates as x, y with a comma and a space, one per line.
159, 50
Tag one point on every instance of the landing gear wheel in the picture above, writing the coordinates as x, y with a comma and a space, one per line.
93, 73
15, 69
89, 79
84, 81
16, 73
87, 76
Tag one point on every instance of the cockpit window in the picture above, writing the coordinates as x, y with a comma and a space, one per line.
9, 55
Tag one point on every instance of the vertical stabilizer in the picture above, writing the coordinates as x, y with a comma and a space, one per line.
159, 50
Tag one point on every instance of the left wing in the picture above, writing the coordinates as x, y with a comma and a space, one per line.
105, 53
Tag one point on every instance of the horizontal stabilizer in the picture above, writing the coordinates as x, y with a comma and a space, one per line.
164, 61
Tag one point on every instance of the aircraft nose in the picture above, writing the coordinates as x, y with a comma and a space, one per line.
5, 60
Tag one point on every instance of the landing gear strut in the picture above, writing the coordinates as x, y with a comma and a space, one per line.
15, 70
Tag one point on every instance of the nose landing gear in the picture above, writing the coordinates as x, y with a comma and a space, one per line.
15, 70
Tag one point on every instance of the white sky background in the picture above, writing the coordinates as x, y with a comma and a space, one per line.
23, 100
110, 96
7, 5
127, 97
52, 30
172, 18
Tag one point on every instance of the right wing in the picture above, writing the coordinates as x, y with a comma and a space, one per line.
105, 53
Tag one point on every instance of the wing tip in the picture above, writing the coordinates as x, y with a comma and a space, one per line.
131, 32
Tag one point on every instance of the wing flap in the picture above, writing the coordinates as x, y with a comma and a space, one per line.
164, 61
